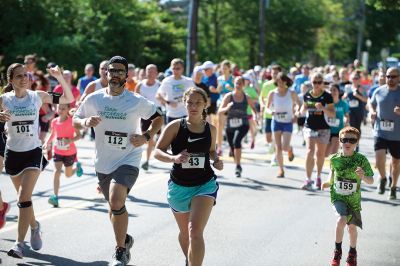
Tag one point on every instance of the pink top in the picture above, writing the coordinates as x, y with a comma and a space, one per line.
75, 92
63, 130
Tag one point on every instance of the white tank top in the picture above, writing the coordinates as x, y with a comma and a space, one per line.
23, 127
98, 85
149, 92
283, 107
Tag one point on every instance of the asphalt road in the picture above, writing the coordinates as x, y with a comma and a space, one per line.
258, 220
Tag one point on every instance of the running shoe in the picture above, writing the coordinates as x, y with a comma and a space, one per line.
307, 184
3, 212
382, 184
271, 148
145, 166
281, 174
128, 245
238, 171
392, 195
17, 251
337, 256
53, 200
318, 184
273, 161
290, 154
36, 238
120, 258
352, 259
252, 145
79, 170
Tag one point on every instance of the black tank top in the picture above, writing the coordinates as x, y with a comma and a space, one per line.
197, 170
237, 114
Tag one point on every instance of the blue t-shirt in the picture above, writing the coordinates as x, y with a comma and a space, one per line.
387, 123
298, 80
211, 81
84, 81
372, 90
221, 79
342, 108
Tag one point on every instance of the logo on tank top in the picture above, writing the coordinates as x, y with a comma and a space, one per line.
193, 140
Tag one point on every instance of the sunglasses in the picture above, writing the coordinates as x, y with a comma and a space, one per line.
350, 140
391, 76
113, 71
317, 82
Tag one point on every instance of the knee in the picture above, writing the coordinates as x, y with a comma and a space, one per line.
116, 204
68, 173
341, 221
195, 233
352, 229
395, 162
58, 172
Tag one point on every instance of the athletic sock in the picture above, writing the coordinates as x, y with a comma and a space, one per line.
338, 246
352, 250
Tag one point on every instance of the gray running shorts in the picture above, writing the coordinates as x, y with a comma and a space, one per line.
353, 217
125, 175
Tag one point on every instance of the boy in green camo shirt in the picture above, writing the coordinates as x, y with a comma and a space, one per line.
348, 169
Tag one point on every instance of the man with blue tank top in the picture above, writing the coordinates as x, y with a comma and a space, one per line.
385, 109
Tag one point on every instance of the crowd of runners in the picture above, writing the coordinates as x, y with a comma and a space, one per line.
191, 122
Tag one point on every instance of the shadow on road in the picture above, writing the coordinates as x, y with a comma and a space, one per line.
148, 202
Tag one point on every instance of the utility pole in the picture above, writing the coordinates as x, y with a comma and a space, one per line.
191, 44
361, 26
261, 53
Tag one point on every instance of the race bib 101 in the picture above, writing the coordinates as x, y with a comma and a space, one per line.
22, 129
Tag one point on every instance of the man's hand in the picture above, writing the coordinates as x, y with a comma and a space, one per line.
137, 140
92, 121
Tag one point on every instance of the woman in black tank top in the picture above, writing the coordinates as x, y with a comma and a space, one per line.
192, 188
234, 104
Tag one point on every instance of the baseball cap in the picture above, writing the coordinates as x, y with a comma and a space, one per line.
257, 68
246, 76
197, 69
207, 64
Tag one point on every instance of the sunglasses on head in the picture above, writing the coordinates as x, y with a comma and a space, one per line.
350, 140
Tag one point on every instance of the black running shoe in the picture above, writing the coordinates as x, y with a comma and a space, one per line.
392, 195
382, 185
238, 171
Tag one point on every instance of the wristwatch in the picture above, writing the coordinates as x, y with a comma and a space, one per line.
147, 135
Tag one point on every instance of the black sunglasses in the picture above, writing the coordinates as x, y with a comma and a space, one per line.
391, 76
318, 82
350, 140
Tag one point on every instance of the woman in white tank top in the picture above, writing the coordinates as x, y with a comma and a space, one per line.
282, 103
23, 156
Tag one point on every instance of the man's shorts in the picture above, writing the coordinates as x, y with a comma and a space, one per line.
180, 197
321, 135
125, 175
342, 209
16, 162
268, 128
279, 126
68, 160
391, 145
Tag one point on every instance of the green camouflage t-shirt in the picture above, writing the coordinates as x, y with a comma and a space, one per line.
346, 183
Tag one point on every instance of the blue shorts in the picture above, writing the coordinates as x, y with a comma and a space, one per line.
268, 125
180, 197
279, 126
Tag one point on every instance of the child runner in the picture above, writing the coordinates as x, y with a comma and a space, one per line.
348, 169
65, 150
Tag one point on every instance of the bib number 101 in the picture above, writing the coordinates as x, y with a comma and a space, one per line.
23, 129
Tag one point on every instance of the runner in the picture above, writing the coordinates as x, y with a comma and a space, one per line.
115, 113
225, 85
85, 80
337, 123
4, 206
64, 150
252, 93
131, 81
210, 79
317, 104
171, 91
348, 169
23, 155
75, 91
192, 189
283, 104
148, 89
234, 104
385, 110
266, 89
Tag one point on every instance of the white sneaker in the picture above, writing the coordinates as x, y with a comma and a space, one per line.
273, 161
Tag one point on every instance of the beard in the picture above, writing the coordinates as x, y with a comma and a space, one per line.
115, 85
